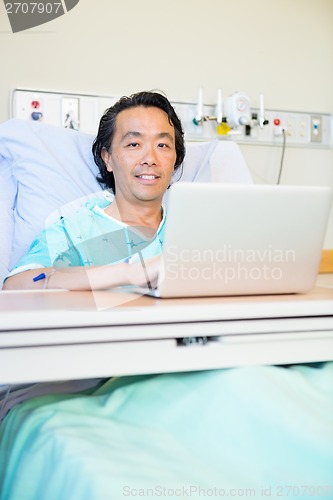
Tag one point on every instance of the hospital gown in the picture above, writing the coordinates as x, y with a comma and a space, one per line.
89, 237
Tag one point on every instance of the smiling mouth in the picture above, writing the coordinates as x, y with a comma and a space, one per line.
148, 177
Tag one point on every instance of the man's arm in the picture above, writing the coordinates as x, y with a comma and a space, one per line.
86, 278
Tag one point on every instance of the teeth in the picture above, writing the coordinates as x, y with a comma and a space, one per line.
148, 177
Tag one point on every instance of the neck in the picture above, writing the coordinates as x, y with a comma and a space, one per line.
147, 215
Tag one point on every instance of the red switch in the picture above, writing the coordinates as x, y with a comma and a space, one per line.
277, 121
35, 104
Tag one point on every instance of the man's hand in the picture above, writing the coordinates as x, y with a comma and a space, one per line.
145, 272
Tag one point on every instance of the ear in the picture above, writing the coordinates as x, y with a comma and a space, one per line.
106, 157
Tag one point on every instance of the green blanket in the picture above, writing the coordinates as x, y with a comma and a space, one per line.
253, 432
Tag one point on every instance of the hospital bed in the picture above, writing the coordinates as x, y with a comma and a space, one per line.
161, 426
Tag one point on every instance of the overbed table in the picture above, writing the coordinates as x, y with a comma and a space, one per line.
61, 335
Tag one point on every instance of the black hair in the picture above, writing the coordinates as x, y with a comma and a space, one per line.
107, 128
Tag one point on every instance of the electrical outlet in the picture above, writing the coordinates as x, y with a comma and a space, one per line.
316, 128
290, 126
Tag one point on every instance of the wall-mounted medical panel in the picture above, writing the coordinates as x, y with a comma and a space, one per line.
76, 111
82, 112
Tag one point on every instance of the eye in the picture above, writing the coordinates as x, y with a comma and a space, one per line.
133, 144
162, 145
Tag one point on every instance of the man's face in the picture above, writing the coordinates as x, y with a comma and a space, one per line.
143, 154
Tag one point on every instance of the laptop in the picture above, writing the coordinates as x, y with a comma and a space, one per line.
239, 239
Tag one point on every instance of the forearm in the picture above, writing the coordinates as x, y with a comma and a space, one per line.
86, 278
70, 278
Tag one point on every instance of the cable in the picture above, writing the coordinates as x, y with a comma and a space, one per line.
282, 156
145, 270
4, 401
70, 242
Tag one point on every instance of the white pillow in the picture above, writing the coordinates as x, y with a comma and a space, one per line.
45, 167
7, 200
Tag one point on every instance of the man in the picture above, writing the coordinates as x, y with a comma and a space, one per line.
139, 145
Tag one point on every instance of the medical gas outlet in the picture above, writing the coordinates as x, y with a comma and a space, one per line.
230, 113
237, 110
234, 110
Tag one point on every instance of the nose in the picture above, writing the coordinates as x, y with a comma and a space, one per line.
149, 155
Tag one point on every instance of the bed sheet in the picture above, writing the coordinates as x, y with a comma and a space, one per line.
251, 431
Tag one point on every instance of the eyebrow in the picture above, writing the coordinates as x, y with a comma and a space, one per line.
133, 133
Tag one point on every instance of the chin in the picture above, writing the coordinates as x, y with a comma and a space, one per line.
146, 196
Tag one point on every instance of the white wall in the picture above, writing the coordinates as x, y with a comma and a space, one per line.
282, 48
